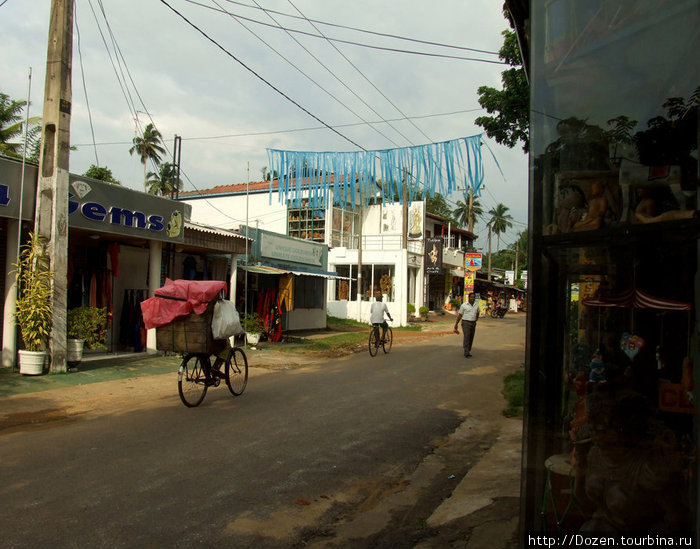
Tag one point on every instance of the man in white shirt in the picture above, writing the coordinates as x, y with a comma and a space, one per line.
468, 313
376, 315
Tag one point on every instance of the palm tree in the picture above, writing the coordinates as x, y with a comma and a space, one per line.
461, 212
164, 182
500, 221
148, 146
12, 127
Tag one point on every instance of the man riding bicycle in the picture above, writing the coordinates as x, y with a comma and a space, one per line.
376, 315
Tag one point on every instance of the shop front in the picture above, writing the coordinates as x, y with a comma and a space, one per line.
122, 244
611, 432
284, 281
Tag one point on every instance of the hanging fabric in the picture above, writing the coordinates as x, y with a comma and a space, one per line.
429, 169
286, 293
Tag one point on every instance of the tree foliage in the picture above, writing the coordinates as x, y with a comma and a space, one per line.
500, 221
102, 173
148, 147
510, 106
461, 211
12, 130
165, 182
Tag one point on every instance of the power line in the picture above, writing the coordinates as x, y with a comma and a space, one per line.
350, 42
386, 35
82, 74
309, 77
246, 67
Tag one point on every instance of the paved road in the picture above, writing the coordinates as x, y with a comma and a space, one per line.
356, 452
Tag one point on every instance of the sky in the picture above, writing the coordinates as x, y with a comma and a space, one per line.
231, 88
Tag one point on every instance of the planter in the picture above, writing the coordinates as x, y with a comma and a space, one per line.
74, 351
252, 339
31, 363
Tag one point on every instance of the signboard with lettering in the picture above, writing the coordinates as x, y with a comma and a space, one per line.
469, 277
472, 261
433, 255
101, 207
283, 248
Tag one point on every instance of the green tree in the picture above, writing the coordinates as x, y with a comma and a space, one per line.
12, 128
164, 182
511, 105
148, 147
438, 205
101, 173
461, 212
500, 221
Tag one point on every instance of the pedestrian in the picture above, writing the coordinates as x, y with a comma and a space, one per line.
468, 313
376, 315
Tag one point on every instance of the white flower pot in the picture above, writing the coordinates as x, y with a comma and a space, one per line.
74, 350
31, 363
252, 339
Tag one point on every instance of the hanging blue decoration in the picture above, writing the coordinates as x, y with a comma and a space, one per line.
351, 177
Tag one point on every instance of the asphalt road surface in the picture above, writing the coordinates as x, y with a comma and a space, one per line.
306, 457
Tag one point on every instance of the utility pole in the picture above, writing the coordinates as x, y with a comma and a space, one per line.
489, 225
517, 247
404, 210
51, 217
471, 210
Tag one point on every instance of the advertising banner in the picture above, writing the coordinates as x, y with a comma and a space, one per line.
469, 281
472, 262
433, 255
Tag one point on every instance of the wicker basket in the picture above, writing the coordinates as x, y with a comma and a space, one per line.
190, 334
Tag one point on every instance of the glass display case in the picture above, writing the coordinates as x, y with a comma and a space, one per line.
611, 429
306, 221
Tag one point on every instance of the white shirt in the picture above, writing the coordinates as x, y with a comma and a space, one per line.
468, 311
376, 312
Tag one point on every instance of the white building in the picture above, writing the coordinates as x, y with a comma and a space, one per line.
370, 248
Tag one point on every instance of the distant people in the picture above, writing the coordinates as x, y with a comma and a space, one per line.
376, 314
468, 313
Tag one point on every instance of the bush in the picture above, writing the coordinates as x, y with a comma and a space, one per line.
456, 303
89, 324
423, 312
411, 308
252, 323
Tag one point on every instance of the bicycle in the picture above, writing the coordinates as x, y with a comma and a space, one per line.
375, 341
197, 374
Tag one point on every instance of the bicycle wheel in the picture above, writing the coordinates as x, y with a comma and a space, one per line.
236, 371
373, 342
191, 379
388, 340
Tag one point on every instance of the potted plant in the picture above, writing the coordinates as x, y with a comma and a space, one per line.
34, 307
86, 326
410, 308
423, 312
253, 326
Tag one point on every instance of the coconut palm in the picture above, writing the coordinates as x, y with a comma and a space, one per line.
148, 146
12, 127
164, 182
461, 212
500, 221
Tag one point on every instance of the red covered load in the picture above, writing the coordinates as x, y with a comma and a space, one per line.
178, 298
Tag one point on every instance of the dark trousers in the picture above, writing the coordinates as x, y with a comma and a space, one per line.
468, 329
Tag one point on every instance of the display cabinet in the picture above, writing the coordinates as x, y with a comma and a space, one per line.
306, 222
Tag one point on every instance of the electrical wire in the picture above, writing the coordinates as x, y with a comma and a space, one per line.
82, 74
258, 76
386, 35
350, 42
309, 77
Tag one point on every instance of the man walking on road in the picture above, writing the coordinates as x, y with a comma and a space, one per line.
468, 313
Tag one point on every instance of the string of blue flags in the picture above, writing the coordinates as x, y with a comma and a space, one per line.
347, 178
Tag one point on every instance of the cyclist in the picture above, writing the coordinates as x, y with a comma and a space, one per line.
376, 315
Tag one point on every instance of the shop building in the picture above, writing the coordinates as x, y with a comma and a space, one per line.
122, 244
368, 254
611, 425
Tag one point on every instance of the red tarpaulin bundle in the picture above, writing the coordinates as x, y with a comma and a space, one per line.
179, 298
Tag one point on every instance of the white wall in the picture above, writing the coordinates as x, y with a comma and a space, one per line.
229, 212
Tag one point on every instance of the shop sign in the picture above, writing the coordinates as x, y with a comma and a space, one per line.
101, 207
415, 221
472, 262
289, 249
469, 281
10, 176
433, 255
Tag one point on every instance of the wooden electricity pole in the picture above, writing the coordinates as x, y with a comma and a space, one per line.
51, 216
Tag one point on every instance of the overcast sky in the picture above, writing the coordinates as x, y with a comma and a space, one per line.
140, 62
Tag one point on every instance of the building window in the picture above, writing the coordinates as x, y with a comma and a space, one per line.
309, 292
306, 220
344, 229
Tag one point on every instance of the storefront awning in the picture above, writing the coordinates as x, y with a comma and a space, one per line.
266, 269
263, 269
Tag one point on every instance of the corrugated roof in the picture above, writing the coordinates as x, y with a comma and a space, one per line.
213, 230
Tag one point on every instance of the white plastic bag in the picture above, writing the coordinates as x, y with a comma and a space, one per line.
225, 322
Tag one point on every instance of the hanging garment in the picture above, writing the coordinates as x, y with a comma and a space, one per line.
113, 250
286, 302
93, 291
